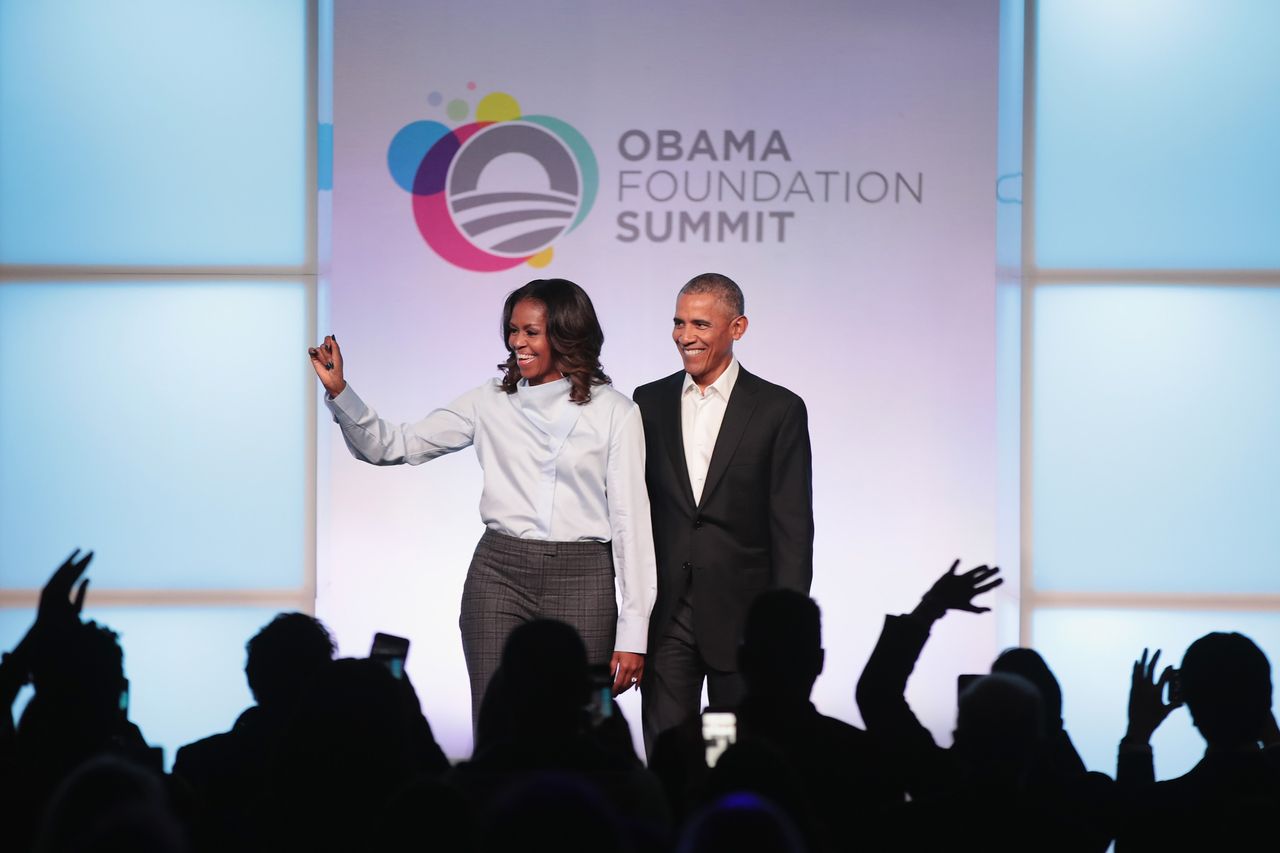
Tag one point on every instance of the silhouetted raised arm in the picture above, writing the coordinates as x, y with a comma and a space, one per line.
58, 608
881, 689
1147, 710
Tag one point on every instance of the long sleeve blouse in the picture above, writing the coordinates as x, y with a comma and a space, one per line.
553, 470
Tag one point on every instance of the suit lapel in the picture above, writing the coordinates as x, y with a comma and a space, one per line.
673, 436
742, 402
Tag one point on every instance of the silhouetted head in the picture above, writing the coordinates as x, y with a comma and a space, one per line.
1226, 682
781, 650
79, 671
109, 804
1028, 664
552, 811
545, 680
740, 822
998, 729
568, 337
285, 656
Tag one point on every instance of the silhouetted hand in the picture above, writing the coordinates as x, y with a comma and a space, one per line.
327, 361
628, 671
57, 606
1147, 708
956, 591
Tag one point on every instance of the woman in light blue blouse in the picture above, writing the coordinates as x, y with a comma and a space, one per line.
564, 502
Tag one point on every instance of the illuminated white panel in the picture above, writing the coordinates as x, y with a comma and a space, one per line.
1157, 123
163, 425
153, 132
185, 665
1156, 426
1092, 653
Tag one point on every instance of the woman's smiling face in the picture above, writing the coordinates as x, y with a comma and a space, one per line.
527, 338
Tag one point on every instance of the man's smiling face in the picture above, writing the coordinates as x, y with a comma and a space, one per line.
704, 331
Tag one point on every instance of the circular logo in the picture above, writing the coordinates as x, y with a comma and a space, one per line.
513, 189
497, 192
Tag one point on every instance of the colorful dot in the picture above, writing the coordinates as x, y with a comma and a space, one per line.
471, 86
434, 99
497, 106
457, 109
541, 259
409, 146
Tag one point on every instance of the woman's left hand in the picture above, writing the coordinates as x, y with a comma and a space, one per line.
628, 671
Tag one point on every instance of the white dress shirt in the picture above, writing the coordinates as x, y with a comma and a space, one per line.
701, 414
552, 470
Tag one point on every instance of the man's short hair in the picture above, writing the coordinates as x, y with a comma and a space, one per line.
721, 287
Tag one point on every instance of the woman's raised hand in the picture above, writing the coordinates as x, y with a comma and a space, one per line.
327, 361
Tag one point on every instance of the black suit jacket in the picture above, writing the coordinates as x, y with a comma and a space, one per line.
753, 528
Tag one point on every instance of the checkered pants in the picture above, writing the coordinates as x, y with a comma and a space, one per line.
512, 581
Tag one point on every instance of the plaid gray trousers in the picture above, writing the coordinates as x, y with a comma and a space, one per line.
512, 581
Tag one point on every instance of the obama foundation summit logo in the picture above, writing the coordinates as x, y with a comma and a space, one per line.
498, 191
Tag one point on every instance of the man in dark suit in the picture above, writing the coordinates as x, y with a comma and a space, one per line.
729, 472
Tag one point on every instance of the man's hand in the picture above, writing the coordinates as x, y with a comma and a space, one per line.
1147, 708
628, 671
326, 359
956, 591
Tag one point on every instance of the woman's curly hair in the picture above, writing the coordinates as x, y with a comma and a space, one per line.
572, 330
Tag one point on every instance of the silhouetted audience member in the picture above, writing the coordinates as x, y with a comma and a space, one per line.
928, 769
999, 729
1072, 807
357, 739
227, 771
740, 822
110, 805
1230, 799
534, 720
80, 706
840, 772
1057, 760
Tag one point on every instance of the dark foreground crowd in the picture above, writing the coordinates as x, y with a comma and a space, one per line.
336, 755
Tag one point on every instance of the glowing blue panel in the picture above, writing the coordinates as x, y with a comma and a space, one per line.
185, 665
153, 132
1092, 653
1009, 137
1156, 438
163, 425
1157, 127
